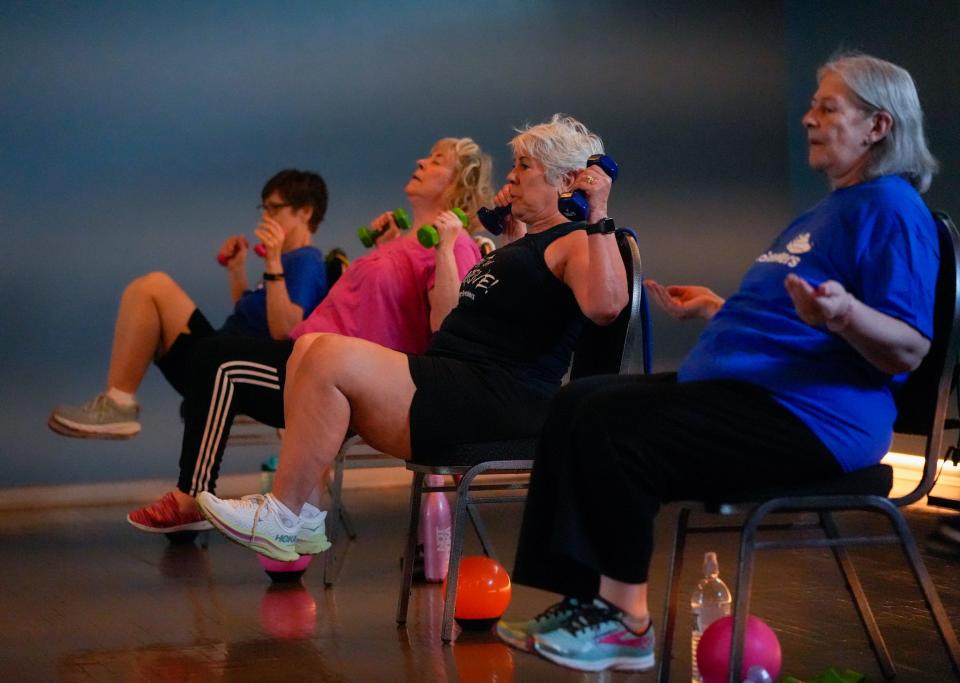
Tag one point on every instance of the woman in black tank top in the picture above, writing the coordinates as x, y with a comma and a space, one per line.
492, 367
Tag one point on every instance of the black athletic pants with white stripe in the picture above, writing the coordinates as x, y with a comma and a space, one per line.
232, 375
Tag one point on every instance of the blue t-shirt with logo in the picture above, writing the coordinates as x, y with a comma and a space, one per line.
306, 278
879, 241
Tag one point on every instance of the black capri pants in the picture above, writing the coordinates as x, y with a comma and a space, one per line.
615, 448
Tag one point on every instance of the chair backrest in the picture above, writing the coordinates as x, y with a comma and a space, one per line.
622, 346
922, 401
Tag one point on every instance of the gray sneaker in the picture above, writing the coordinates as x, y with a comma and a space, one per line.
100, 418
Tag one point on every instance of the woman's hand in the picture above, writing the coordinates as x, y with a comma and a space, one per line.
389, 226
271, 235
685, 302
234, 252
448, 226
444, 294
829, 305
513, 229
595, 184
889, 344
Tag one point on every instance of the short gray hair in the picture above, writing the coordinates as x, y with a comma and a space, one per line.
561, 144
882, 86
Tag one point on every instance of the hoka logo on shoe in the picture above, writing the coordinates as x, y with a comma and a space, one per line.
285, 538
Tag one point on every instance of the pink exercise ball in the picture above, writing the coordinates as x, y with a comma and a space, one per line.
760, 648
284, 572
288, 612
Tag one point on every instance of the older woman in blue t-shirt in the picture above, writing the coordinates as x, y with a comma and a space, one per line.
791, 381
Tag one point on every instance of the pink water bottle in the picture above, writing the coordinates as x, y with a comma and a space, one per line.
434, 532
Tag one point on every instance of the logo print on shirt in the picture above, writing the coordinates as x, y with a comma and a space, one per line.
479, 279
800, 244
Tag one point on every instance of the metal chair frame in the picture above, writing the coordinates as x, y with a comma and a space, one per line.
926, 417
634, 357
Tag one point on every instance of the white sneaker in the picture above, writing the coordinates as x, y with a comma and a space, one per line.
312, 537
253, 521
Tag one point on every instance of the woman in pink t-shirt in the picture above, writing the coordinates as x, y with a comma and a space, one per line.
396, 296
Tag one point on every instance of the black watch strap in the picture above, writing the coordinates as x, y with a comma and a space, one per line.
603, 227
272, 277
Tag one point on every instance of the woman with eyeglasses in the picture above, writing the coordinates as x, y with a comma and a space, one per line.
158, 322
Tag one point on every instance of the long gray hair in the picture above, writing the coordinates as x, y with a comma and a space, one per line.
882, 86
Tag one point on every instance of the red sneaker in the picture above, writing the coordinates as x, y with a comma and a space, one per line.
164, 516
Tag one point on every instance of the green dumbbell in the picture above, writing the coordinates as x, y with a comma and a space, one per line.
369, 237
428, 236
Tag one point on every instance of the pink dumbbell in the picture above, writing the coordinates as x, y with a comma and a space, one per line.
259, 250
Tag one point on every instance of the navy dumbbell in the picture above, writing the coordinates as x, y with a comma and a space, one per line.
493, 219
574, 205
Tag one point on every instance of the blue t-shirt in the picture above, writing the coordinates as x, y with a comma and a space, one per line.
306, 278
879, 241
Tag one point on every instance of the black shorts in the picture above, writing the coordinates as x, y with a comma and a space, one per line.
176, 363
458, 402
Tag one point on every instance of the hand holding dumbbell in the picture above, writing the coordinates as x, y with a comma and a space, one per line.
228, 253
368, 236
231, 247
429, 236
574, 205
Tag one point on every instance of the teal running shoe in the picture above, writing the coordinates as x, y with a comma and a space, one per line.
595, 638
520, 634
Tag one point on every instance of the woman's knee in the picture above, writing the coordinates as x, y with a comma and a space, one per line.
321, 355
152, 283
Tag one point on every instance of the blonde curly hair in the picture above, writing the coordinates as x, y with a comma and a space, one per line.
471, 187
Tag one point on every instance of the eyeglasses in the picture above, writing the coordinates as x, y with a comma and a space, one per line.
272, 207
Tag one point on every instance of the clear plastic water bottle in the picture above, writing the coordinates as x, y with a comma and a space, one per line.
710, 600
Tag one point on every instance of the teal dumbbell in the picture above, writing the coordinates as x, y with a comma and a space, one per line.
369, 237
428, 236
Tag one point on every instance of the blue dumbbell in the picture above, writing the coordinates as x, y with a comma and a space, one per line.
574, 205
492, 219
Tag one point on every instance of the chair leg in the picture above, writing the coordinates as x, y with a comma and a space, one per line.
930, 595
672, 590
456, 552
410, 553
855, 589
333, 558
347, 522
481, 529
741, 605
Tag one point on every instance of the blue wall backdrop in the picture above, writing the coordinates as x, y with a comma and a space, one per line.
136, 136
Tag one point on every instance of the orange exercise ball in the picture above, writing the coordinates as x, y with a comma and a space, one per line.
483, 592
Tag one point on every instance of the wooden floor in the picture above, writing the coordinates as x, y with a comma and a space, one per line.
86, 597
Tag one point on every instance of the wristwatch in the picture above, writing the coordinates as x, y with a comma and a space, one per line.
603, 227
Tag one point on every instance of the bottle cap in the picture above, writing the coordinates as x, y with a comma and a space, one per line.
710, 565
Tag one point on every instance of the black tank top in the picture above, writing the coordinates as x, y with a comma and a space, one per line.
515, 313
